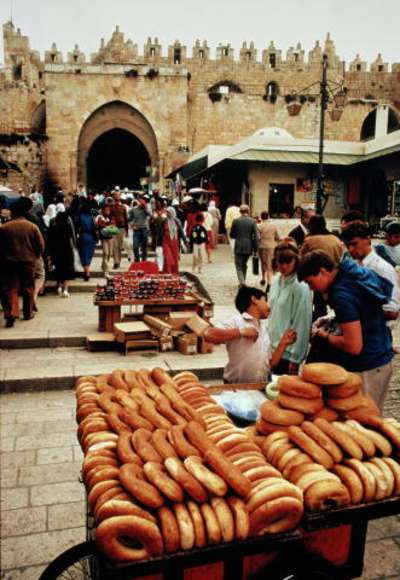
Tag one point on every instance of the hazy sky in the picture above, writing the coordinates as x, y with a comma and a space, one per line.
357, 26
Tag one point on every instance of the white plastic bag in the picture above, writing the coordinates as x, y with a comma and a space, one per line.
242, 404
160, 258
77, 260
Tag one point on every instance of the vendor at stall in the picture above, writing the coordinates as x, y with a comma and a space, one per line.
247, 339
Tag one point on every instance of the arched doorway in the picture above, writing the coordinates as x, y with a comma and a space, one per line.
115, 144
116, 158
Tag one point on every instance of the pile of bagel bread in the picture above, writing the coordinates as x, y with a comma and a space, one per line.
166, 470
329, 439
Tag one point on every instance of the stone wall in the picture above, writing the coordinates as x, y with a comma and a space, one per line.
178, 95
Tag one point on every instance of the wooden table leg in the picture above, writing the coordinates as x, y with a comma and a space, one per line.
108, 316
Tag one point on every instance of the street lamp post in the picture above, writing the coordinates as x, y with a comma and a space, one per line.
324, 98
326, 95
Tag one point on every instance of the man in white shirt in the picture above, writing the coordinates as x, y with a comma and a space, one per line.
231, 214
357, 238
247, 339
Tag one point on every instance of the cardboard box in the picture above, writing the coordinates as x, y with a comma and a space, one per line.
166, 343
187, 343
204, 346
158, 326
197, 325
124, 331
178, 319
151, 345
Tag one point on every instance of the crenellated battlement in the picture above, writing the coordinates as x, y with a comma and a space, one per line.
120, 51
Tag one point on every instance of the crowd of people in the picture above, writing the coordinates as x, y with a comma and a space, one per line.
327, 297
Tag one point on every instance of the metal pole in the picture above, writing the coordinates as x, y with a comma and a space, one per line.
321, 198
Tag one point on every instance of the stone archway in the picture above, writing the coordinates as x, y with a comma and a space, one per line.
108, 118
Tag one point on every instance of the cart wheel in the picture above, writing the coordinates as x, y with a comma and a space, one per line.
76, 563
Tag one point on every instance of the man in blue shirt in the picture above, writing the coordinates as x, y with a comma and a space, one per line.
356, 295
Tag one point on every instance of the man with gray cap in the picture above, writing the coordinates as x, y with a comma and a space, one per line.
244, 232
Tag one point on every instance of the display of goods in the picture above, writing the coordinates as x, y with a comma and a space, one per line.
140, 286
165, 466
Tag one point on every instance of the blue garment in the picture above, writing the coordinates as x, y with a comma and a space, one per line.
140, 237
358, 294
87, 238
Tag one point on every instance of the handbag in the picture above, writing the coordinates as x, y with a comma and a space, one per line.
255, 265
77, 260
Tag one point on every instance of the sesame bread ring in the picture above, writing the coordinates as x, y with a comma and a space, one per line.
164, 407
117, 380
382, 486
341, 438
116, 424
240, 516
86, 379
310, 447
91, 425
112, 493
294, 386
244, 458
169, 529
308, 479
197, 436
85, 410
134, 420
200, 537
265, 428
87, 397
130, 378
380, 442
285, 457
391, 430
125, 400
271, 411
324, 374
366, 477
276, 450
351, 481
306, 406
98, 489
179, 442
108, 403
185, 377
350, 387
231, 441
211, 481
387, 472
367, 414
248, 447
116, 507
225, 518
149, 412
323, 440
185, 525
346, 404
97, 463
161, 444
276, 436
246, 463
363, 441
179, 403
161, 377
155, 473
260, 484
101, 445
181, 475
277, 516
109, 532
212, 526
228, 471
141, 441
328, 494
101, 473
260, 472
300, 459
99, 437
270, 492
141, 490
395, 467
304, 468
325, 413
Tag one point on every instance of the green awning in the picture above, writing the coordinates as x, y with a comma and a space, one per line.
295, 157
190, 169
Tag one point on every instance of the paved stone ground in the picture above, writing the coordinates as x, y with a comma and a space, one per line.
42, 501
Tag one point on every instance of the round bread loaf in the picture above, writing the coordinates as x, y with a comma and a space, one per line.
324, 374
294, 386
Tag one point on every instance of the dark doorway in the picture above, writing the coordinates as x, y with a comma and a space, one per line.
281, 199
116, 158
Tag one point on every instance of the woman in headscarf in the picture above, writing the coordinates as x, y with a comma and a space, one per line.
61, 244
216, 215
50, 214
169, 234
